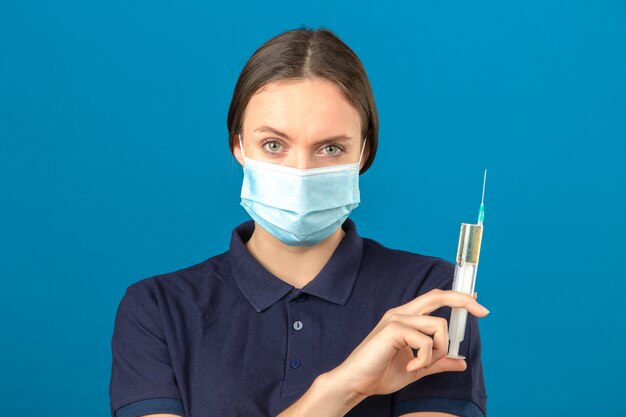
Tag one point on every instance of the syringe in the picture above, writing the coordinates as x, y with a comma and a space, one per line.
465, 275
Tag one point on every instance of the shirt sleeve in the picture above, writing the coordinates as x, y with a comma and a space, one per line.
459, 393
142, 378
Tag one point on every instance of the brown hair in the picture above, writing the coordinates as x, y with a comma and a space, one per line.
301, 53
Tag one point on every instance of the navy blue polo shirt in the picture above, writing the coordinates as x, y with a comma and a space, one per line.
225, 337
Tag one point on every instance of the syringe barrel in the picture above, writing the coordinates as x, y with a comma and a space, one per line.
470, 238
468, 254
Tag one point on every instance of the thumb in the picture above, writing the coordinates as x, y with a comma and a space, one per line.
444, 364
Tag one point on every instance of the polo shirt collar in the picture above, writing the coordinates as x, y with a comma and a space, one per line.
261, 288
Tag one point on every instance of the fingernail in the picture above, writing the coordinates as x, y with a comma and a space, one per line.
475, 295
484, 309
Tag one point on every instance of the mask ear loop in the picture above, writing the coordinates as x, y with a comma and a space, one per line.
241, 146
362, 149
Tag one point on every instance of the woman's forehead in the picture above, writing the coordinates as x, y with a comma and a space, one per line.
302, 107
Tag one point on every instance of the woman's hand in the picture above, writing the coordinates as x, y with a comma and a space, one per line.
384, 363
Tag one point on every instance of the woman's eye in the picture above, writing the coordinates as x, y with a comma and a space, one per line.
333, 149
272, 145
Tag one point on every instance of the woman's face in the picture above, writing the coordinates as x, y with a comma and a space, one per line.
301, 124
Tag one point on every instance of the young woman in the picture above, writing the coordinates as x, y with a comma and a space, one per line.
301, 316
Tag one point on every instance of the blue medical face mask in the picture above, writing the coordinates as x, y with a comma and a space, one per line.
300, 207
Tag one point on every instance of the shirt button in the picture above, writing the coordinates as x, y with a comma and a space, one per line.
297, 325
301, 298
295, 363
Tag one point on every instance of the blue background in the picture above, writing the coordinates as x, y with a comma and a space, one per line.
114, 166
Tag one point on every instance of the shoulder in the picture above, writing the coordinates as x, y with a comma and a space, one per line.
428, 271
185, 284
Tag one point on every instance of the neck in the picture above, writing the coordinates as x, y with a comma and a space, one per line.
296, 265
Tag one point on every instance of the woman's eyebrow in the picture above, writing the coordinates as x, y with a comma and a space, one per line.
283, 135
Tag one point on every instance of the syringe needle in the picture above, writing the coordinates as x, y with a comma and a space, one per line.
484, 181
481, 212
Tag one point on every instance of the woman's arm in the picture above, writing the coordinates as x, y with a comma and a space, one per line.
384, 362
161, 415
429, 414
328, 396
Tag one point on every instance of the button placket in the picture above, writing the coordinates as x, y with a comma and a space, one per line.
296, 343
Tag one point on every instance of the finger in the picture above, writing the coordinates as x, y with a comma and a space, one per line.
404, 336
424, 346
434, 299
429, 325
444, 364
